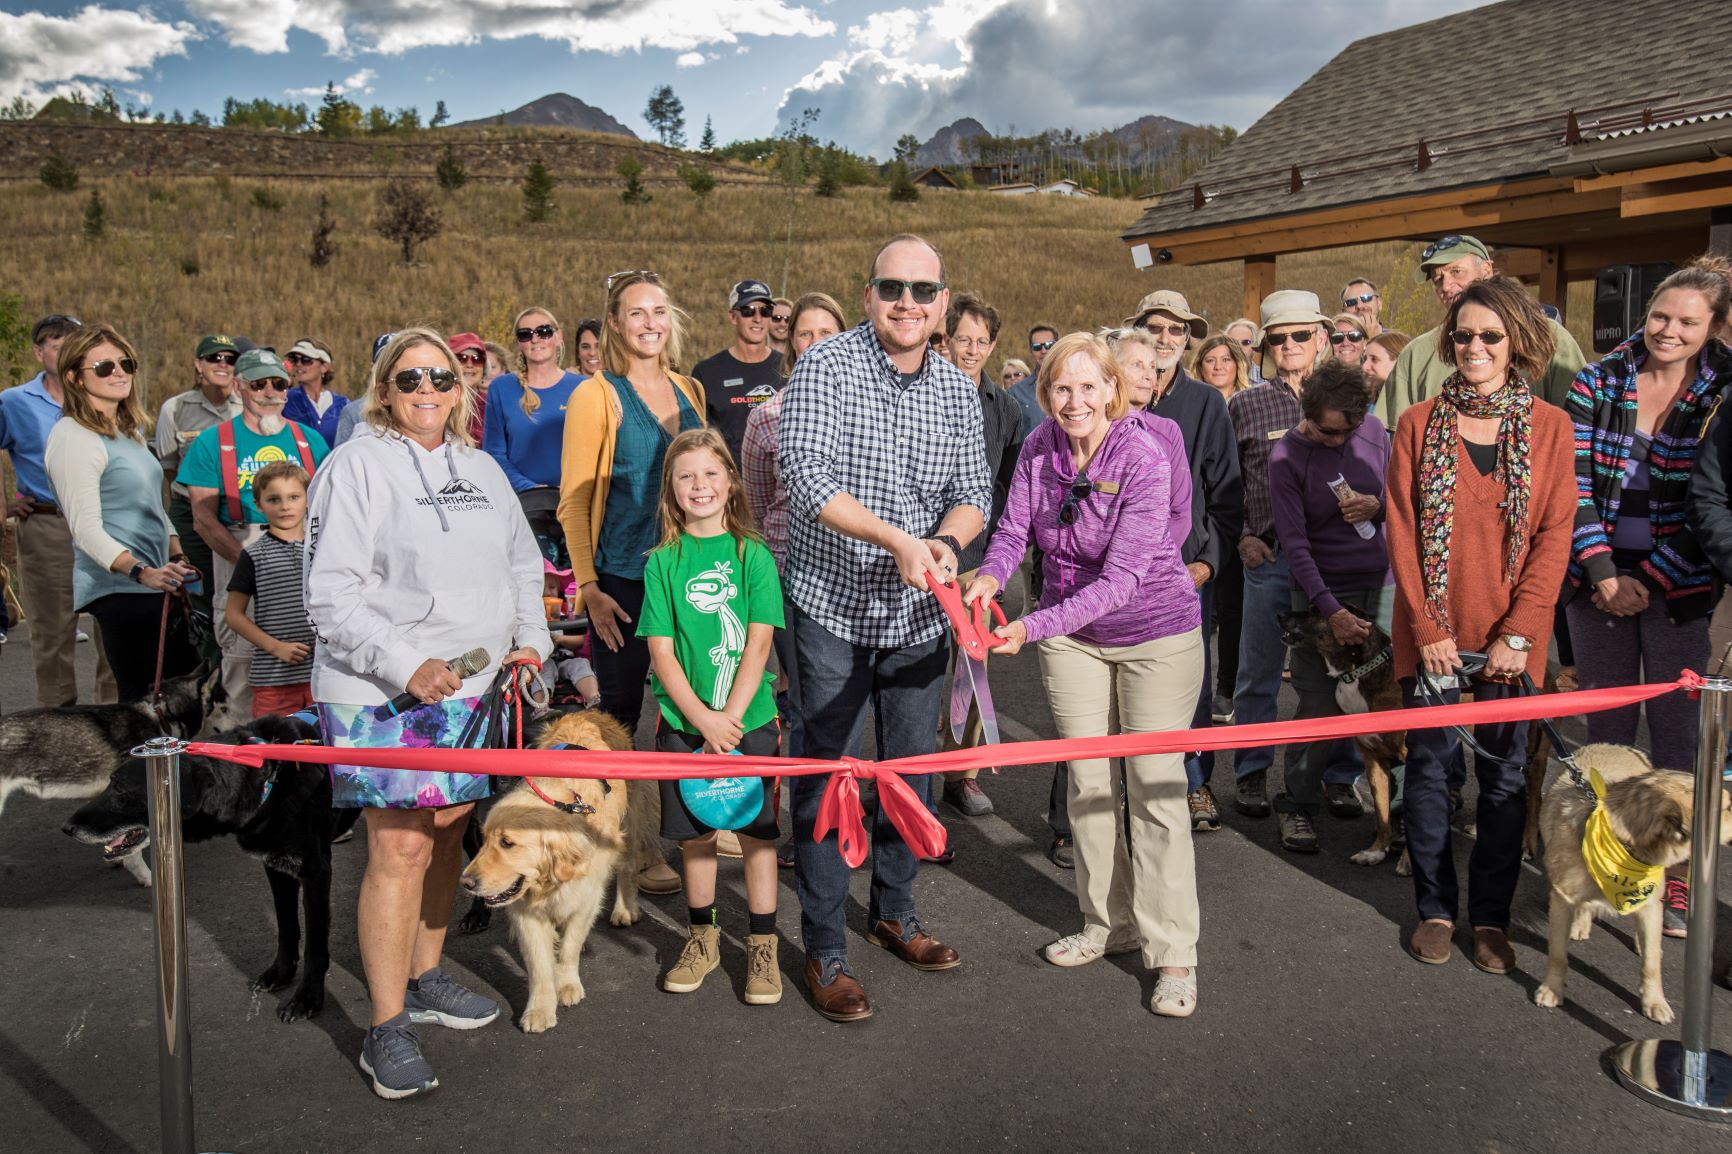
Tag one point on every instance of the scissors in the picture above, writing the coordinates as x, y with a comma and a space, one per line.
974, 638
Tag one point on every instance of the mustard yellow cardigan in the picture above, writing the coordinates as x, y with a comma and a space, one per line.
592, 417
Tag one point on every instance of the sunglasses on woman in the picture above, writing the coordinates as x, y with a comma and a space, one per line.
890, 289
645, 273
105, 369
1353, 335
544, 332
276, 383
1299, 336
219, 359
1487, 337
1070, 508
297, 359
409, 380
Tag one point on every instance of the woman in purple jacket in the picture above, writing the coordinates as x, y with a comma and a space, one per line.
1118, 622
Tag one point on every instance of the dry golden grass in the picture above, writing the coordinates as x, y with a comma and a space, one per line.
1039, 259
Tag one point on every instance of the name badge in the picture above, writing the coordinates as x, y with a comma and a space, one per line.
1106, 486
1277, 434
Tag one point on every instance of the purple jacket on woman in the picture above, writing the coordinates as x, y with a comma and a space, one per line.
1113, 577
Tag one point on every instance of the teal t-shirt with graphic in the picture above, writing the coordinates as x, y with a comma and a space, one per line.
202, 465
703, 592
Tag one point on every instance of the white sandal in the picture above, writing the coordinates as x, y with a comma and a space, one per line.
1175, 997
1081, 948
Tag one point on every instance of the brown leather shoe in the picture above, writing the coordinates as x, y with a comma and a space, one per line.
843, 1000
1492, 951
1430, 942
920, 949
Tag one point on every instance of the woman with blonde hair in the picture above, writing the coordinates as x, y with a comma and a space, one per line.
1347, 337
127, 556
417, 552
524, 425
1119, 622
1378, 360
1220, 362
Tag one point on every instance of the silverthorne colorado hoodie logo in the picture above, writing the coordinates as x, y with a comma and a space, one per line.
460, 495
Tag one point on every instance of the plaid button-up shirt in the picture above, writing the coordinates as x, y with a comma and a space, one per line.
763, 481
909, 452
1261, 416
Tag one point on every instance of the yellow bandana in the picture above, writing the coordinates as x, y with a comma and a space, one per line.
1627, 884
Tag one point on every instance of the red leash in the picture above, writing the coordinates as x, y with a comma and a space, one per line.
514, 695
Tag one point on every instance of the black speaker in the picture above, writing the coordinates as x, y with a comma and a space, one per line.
1621, 295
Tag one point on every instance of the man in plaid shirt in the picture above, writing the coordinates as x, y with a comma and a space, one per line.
1295, 332
883, 456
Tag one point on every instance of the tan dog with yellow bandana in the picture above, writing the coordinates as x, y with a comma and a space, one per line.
1612, 858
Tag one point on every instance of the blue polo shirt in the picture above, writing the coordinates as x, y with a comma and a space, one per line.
1024, 393
27, 412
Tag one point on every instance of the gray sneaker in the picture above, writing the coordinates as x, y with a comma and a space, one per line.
391, 1056
967, 796
434, 999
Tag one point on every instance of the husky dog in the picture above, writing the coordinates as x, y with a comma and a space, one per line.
72, 752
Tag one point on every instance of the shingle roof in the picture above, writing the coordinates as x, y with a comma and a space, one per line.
1636, 74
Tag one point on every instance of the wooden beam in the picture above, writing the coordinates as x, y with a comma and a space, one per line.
1656, 175
1649, 200
1521, 263
1553, 290
1584, 259
1259, 282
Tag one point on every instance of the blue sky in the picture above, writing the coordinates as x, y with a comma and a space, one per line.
874, 69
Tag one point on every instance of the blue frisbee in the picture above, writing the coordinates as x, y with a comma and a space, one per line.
724, 802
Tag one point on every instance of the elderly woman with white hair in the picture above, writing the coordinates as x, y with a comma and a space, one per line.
417, 552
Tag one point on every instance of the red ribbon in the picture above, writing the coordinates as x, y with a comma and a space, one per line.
840, 807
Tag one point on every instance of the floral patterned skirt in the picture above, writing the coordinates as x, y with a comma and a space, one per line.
435, 726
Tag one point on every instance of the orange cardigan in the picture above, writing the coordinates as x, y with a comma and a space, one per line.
592, 417
1483, 606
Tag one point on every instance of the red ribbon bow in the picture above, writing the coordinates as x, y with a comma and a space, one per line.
840, 810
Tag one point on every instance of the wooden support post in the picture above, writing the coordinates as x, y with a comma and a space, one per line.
1720, 231
1259, 282
1553, 289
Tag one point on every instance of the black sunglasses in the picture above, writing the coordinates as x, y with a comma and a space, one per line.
1488, 337
297, 359
264, 383
781, 318
219, 359
890, 289
545, 332
1442, 244
765, 311
1040, 346
1276, 340
105, 369
1353, 335
1070, 508
409, 380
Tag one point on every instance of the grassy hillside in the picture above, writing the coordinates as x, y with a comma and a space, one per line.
187, 255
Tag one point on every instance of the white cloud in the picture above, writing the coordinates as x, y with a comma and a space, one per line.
396, 26
689, 60
1082, 64
359, 84
42, 56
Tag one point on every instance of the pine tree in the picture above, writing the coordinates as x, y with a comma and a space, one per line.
94, 215
452, 175
701, 181
707, 142
635, 192
538, 193
903, 190
440, 116
324, 248
58, 172
829, 174
407, 215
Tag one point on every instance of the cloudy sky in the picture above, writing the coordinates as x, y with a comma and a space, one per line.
874, 69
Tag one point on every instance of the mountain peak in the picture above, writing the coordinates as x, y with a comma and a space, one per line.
557, 109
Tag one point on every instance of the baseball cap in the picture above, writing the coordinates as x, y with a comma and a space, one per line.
1447, 249
748, 292
1174, 303
380, 342
260, 364
464, 341
309, 350
215, 343
62, 322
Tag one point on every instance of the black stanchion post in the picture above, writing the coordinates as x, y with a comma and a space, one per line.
168, 902
1689, 1076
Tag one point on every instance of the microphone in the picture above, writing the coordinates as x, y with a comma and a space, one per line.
467, 665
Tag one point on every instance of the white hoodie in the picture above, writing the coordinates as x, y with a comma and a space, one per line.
415, 554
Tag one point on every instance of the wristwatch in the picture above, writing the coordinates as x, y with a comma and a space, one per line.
1517, 642
136, 571
950, 541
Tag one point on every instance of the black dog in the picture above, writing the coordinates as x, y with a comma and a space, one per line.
280, 812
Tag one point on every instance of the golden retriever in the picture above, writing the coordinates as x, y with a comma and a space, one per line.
550, 869
1650, 811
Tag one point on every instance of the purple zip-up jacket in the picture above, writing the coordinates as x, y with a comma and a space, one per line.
1114, 577
1171, 438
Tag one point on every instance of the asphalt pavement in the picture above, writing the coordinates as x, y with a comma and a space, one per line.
1315, 1030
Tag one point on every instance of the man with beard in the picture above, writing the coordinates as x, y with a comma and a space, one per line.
218, 474
746, 373
1217, 499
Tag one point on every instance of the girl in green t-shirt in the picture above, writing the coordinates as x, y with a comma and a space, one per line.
712, 604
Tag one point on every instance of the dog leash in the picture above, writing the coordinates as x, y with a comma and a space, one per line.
1471, 663
511, 689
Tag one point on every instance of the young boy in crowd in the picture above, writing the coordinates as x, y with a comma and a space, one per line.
268, 580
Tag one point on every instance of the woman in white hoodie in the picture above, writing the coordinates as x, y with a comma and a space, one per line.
417, 553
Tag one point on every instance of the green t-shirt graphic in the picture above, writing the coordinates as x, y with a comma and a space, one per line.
703, 593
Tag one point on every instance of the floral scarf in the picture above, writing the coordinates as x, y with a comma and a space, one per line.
1513, 405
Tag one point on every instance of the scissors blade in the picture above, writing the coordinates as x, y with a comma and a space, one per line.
961, 694
983, 701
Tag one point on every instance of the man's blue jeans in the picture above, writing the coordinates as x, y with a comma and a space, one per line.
837, 681
1262, 655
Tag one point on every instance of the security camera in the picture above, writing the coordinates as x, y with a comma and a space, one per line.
1164, 256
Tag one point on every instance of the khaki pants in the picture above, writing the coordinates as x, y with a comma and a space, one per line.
1153, 884
45, 566
237, 650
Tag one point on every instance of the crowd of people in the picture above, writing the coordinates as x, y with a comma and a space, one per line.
757, 540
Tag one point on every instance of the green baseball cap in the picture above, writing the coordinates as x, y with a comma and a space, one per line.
259, 365
1448, 249
215, 343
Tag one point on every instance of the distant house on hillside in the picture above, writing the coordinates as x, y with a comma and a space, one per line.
989, 175
935, 177
1066, 187
1563, 164
1024, 188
